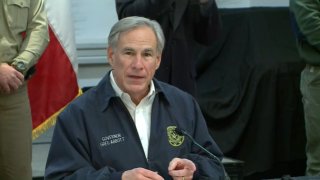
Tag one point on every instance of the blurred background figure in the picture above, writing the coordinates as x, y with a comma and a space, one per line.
184, 22
306, 19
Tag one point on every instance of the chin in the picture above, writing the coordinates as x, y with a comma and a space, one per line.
136, 89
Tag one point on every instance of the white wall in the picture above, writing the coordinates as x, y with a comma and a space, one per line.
92, 21
251, 3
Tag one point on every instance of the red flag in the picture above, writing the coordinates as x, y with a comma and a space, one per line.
54, 84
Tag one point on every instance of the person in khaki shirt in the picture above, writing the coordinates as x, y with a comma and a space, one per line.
23, 38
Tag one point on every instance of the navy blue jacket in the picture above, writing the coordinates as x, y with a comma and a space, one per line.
96, 138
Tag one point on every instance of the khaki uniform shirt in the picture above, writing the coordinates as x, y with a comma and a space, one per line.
23, 31
307, 15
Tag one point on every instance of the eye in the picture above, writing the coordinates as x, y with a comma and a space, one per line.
147, 54
130, 53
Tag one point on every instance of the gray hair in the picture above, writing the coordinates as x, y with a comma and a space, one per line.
130, 23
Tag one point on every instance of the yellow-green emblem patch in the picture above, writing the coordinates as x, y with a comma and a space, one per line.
173, 138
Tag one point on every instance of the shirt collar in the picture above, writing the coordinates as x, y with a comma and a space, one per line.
106, 92
122, 94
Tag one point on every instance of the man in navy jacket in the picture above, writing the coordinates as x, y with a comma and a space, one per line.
124, 128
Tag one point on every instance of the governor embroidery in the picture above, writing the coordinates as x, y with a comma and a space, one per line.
111, 139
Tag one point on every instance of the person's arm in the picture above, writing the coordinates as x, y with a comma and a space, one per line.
206, 23
140, 173
37, 35
307, 14
10, 79
181, 168
206, 165
147, 8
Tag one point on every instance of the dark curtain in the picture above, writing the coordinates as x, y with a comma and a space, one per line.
248, 88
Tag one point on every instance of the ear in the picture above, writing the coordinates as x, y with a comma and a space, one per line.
110, 53
158, 61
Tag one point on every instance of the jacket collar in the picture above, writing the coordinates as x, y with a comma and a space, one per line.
105, 92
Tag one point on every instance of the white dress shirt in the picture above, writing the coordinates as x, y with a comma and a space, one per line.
141, 113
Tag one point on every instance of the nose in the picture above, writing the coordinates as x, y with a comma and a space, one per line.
137, 62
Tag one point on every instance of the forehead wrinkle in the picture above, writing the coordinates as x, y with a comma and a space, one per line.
143, 40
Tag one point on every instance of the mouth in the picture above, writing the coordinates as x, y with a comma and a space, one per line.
136, 77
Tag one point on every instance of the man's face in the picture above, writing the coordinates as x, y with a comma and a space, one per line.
134, 61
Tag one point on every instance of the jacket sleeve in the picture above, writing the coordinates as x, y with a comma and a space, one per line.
206, 21
69, 152
207, 166
146, 8
307, 15
37, 35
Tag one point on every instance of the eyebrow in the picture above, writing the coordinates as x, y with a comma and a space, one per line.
132, 49
148, 50
128, 49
